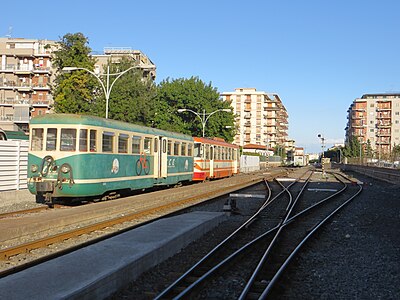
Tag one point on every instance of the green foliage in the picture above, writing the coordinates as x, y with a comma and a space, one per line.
280, 151
73, 92
352, 149
195, 95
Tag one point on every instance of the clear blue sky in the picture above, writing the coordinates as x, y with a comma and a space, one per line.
317, 55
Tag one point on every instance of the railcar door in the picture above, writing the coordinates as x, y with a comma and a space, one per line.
163, 163
156, 168
211, 156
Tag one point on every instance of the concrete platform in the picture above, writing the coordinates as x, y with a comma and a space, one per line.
97, 271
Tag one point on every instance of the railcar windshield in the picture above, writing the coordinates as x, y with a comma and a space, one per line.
68, 139
197, 152
37, 139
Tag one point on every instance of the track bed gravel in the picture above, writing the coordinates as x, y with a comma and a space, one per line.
355, 256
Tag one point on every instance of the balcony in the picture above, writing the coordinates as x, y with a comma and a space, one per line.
23, 69
23, 87
7, 69
40, 86
383, 124
41, 103
41, 70
12, 101
384, 116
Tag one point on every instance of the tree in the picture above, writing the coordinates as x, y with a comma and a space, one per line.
192, 94
352, 149
74, 92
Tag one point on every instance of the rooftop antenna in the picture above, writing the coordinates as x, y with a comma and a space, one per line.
9, 32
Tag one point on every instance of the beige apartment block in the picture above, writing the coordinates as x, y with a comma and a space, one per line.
25, 75
114, 55
261, 118
375, 118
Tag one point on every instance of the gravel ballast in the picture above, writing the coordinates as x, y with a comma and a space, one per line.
355, 256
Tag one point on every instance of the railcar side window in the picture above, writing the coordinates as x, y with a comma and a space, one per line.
207, 151
176, 148
155, 145
183, 149
51, 140
83, 140
169, 148
92, 142
190, 150
123, 143
147, 145
108, 142
136, 144
68, 139
212, 153
37, 139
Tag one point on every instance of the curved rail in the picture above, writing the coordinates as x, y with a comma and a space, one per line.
251, 243
170, 289
273, 281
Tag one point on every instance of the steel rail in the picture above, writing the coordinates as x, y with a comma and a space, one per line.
277, 275
248, 245
267, 252
6, 253
25, 211
178, 281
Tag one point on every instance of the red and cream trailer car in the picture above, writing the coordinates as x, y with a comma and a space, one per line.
214, 158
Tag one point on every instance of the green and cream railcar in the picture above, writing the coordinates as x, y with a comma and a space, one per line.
85, 156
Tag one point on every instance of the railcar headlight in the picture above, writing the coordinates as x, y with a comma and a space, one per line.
34, 168
65, 169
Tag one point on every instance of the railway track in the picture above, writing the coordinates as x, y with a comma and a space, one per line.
265, 256
24, 212
131, 221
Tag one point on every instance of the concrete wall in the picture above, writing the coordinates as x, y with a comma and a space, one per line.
249, 163
389, 175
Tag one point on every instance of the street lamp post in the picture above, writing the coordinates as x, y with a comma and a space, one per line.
204, 116
106, 88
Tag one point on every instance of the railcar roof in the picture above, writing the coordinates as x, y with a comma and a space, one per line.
101, 122
214, 141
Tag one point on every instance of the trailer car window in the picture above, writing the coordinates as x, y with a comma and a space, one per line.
83, 140
183, 149
176, 148
190, 150
93, 134
123, 143
108, 142
169, 148
147, 145
136, 144
51, 140
68, 139
37, 139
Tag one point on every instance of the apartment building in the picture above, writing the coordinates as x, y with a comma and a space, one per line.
375, 118
115, 54
261, 117
25, 74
